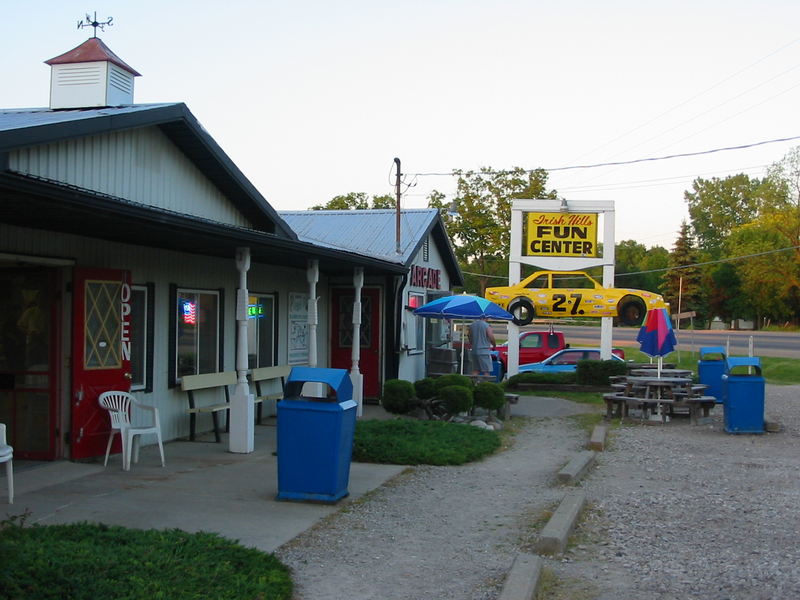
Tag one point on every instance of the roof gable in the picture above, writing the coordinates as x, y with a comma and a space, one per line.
373, 233
31, 127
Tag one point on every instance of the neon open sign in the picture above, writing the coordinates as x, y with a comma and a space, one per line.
255, 311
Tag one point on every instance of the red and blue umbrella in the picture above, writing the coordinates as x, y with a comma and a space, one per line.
463, 306
656, 337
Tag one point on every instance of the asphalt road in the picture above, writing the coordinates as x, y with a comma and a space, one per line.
764, 343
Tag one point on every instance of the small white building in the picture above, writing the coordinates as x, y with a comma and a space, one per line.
120, 225
430, 271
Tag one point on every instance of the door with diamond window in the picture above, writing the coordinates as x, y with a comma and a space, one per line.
342, 301
100, 353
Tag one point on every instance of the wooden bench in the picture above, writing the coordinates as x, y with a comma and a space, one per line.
265, 375
208, 381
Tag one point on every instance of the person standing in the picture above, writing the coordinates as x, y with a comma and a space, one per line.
481, 338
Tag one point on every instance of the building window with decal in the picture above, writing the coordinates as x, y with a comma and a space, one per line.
197, 333
261, 330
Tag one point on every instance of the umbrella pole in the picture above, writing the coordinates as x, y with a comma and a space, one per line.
463, 345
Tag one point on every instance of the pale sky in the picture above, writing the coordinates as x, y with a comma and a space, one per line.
312, 99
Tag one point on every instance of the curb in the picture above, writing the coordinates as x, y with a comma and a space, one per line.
577, 467
553, 539
598, 440
523, 579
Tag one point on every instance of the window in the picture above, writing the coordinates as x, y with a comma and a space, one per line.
197, 332
142, 337
262, 330
415, 333
531, 341
540, 283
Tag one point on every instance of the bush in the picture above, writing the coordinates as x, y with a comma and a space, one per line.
411, 442
489, 395
398, 396
85, 560
556, 378
456, 398
597, 372
453, 379
425, 388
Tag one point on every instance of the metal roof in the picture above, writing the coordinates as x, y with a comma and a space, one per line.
54, 206
20, 128
373, 233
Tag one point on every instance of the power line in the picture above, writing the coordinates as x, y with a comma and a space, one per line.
702, 264
623, 162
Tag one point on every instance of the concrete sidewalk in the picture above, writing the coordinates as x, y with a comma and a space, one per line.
202, 488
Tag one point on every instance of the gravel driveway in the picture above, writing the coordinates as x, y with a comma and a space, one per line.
675, 511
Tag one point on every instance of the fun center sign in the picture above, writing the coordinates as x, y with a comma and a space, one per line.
561, 234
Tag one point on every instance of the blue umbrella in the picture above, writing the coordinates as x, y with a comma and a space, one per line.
656, 337
462, 307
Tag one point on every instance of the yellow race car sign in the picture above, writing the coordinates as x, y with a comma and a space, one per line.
572, 294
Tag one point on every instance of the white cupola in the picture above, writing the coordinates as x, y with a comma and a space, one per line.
90, 76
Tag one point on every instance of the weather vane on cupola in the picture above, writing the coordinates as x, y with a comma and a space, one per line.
93, 22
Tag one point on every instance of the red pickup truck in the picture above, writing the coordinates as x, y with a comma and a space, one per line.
535, 346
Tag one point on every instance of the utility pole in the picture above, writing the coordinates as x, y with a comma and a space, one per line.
397, 192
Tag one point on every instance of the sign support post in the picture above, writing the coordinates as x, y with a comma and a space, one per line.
561, 253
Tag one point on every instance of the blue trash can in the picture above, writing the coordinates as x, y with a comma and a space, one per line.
710, 370
315, 436
743, 393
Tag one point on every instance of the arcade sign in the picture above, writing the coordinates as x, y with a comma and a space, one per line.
425, 277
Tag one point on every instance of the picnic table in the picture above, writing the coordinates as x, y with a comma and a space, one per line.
658, 395
664, 373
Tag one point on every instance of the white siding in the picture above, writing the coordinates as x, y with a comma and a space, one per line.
412, 365
141, 165
162, 268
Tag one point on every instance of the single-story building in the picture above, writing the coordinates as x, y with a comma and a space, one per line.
125, 233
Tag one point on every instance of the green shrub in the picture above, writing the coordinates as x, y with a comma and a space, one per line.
84, 560
489, 395
425, 388
557, 378
412, 442
456, 399
453, 379
398, 396
597, 372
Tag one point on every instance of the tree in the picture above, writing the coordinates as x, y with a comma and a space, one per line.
645, 266
356, 201
770, 273
717, 206
479, 229
683, 282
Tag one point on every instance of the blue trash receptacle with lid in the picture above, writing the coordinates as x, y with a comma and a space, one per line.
710, 370
315, 436
743, 392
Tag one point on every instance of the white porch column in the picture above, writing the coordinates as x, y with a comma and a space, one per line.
312, 274
241, 414
355, 376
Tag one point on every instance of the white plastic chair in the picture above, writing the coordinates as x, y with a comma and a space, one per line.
6, 456
118, 405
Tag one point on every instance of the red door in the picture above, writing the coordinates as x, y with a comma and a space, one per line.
342, 335
100, 353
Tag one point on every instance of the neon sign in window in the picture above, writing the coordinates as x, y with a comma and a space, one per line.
189, 312
255, 311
